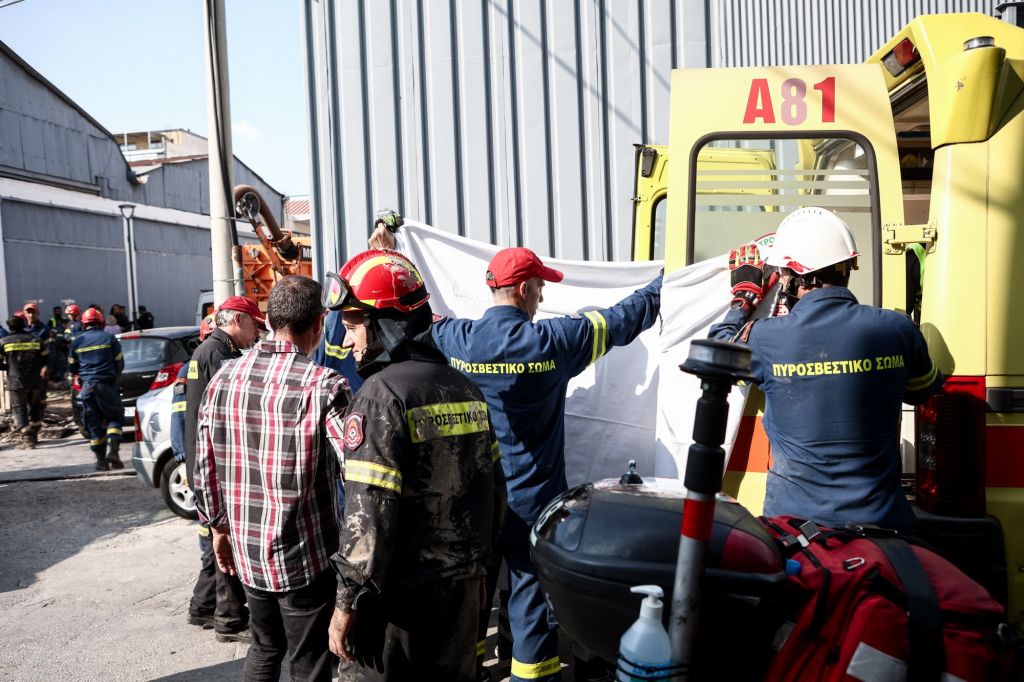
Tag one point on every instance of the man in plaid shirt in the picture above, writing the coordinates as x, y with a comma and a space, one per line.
268, 447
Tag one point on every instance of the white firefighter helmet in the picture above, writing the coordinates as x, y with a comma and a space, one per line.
810, 239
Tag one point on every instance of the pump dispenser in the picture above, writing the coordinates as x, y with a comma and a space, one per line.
644, 651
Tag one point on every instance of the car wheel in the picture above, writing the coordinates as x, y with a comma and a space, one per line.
175, 490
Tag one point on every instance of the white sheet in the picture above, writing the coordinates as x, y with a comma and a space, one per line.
634, 403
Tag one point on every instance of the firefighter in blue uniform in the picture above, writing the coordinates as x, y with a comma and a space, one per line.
204, 594
333, 355
24, 357
96, 359
523, 368
74, 325
833, 372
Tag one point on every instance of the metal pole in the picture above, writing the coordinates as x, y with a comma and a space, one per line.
218, 108
719, 365
128, 248
133, 273
316, 219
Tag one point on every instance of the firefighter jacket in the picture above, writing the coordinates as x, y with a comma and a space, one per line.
207, 359
834, 373
424, 491
523, 369
95, 356
23, 356
73, 329
40, 330
178, 405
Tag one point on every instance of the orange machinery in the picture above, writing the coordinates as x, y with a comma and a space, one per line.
278, 254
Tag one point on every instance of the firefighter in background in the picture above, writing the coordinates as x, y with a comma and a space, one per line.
96, 361
833, 372
33, 325
238, 323
331, 353
204, 594
24, 357
74, 326
425, 490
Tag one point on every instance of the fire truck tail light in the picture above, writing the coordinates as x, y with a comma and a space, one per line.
902, 56
951, 449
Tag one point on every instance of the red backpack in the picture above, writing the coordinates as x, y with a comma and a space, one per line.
871, 606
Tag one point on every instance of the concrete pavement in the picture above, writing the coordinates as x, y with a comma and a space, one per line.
96, 574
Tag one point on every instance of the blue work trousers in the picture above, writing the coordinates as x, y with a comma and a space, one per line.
533, 625
102, 411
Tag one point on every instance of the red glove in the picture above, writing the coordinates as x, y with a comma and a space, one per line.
746, 269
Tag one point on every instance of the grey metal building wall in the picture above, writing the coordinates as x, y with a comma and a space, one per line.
778, 32
46, 137
507, 121
61, 246
513, 121
54, 254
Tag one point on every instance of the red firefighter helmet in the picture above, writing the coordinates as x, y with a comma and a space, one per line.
376, 280
72, 310
92, 316
207, 326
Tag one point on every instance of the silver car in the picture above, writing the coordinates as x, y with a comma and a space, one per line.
153, 457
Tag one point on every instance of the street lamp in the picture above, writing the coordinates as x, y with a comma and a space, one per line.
128, 213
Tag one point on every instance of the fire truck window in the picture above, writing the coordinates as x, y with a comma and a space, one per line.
744, 188
658, 219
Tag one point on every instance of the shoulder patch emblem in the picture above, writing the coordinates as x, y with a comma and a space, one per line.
193, 370
353, 431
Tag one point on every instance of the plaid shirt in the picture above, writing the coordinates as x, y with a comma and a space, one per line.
267, 459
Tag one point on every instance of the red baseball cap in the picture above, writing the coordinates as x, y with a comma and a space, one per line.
512, 266
30, 306
242, 305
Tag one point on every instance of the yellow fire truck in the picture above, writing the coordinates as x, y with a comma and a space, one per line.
923, 144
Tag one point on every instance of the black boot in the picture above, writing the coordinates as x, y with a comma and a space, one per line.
112, 457
100, 452
24, 439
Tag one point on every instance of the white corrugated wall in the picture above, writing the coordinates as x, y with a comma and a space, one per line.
513, 121
778, 32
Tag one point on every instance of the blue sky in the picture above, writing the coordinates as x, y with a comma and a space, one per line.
139, 65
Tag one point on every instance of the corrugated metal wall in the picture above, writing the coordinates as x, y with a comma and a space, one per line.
510, 122
514, 121
778, 32
52, 254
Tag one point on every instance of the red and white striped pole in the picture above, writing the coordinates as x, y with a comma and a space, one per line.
719, 365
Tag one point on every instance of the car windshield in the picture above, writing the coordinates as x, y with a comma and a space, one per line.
141, 351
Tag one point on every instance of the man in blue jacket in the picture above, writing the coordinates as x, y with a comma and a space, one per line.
833, 372
523, 369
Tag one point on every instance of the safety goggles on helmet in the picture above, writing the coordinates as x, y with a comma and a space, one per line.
337, 295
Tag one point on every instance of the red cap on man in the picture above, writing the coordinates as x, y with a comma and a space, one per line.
515, 265
30, 306
243, 305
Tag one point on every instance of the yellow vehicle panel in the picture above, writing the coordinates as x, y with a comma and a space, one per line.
807, 103
652, 187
